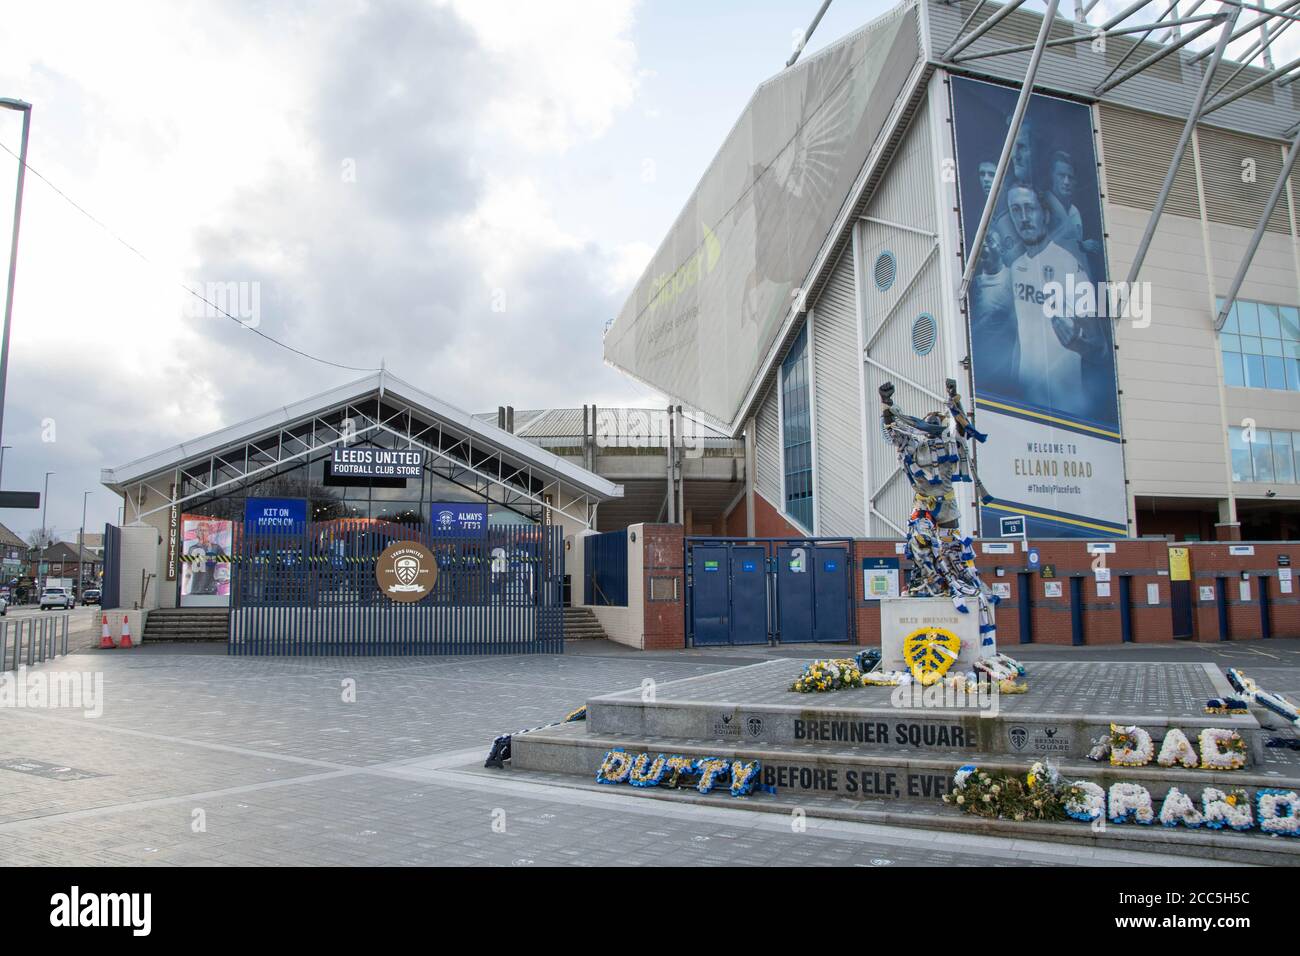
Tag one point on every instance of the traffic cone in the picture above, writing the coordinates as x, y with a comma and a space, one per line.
126, 632
106, 641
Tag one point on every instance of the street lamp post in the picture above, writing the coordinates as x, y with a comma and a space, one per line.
26, 110
45, 504
81, 546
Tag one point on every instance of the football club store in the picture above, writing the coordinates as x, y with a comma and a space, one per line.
308, 507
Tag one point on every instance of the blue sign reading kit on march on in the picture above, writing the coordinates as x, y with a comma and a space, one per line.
458, 519
275, 515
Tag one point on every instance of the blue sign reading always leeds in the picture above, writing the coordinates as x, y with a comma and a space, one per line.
275, 515
459, 519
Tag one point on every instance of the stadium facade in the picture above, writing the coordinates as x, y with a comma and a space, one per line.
824, 253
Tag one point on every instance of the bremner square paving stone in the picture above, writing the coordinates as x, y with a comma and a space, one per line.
281, 778
856, 745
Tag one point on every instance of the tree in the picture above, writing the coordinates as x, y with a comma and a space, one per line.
41, 538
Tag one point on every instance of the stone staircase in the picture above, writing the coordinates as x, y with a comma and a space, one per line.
580, 624
188, 624
863, 753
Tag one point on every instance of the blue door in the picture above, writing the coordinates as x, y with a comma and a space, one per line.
794, 593
748, 594
830, 594
710, 610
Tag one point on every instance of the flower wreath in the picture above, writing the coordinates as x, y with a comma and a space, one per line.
1179, 808
1278, 811
1085, 800
1177, 749
820, 676
643, 770
1231, 809
1222, 749
1130, 746
1130, 800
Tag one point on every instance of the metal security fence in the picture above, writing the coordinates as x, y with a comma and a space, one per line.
605, 562
32, 640
314, 592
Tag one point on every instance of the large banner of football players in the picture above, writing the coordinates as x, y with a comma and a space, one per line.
1042, 353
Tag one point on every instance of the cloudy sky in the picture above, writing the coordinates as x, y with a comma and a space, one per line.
464, 190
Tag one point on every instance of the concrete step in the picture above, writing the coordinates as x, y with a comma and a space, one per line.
754, 706
581, 624
947, 824
187, 625
884, 773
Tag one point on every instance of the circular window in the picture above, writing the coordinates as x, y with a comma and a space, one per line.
886, 270
923, 334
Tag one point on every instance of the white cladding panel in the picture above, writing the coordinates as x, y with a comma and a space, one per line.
837, 472
906, 198
767, 450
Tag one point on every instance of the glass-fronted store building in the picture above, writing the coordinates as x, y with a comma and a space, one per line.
375, 454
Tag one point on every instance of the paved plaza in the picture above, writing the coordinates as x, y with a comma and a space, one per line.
200, 758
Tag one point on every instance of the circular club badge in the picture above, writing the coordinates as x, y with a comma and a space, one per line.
406, 571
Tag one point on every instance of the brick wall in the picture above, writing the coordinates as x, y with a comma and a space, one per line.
1145, 563
665, 625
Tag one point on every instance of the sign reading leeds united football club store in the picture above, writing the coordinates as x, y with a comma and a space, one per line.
406, 571
377, 463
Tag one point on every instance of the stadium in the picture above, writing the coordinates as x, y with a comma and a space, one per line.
824, 253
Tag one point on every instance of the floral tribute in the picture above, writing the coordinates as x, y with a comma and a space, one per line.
1227, 809
1130, 747
820, 676
1179, 808
1085, 801
1177, 749
1278, 811
1042, 795
1222, 750
1035, 796
1133, 747
1130, 801
703, 773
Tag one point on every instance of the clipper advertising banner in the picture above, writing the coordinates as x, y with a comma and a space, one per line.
1042, 346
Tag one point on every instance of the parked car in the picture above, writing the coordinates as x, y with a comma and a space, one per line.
91, 596
57, 597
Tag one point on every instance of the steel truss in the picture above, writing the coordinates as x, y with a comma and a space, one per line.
450, 453
1270, 23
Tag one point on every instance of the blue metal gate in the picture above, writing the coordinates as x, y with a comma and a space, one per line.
769, 590
314, 592
604, 562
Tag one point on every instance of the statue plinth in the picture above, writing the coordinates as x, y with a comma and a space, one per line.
902, 616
